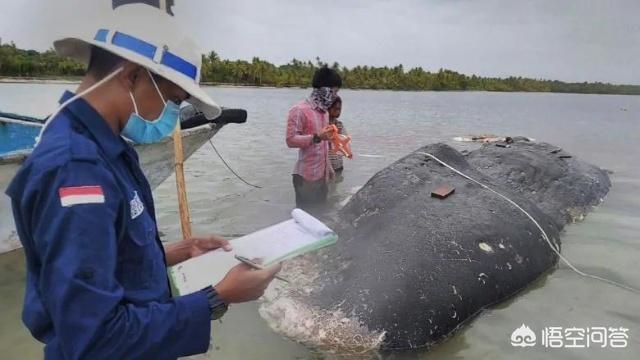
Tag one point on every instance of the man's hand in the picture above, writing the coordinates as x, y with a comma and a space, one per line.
192, 247
326, 134
242, 283
201, 245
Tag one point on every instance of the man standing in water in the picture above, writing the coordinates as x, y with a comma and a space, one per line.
306, 130
96, 270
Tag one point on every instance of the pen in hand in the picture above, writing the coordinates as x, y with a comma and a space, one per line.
258, 267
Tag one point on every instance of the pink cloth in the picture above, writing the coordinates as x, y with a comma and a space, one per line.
303, 121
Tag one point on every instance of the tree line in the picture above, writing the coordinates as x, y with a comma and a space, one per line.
16, 62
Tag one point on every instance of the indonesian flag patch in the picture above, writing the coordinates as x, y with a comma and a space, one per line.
80, 195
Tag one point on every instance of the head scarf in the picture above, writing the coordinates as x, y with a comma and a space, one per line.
322, 98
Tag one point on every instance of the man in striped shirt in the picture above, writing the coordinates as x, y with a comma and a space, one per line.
306, 125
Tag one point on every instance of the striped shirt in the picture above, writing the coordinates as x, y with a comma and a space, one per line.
303, 122
334, 157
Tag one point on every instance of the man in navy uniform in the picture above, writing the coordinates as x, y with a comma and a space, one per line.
97, 285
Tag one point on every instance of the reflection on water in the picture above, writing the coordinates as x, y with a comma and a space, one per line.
386, 126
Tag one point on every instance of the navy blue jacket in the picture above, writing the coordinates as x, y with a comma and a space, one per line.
97, 284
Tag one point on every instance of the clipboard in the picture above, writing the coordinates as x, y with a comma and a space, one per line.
297, 236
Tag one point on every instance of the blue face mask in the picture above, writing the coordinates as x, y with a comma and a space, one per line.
142, 131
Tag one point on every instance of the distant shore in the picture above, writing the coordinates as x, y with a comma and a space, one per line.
31, 66
76, 81
30, 80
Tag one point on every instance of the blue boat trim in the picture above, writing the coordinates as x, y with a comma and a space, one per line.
21, 117
16, 137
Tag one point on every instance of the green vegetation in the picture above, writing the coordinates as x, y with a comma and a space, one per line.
15, 62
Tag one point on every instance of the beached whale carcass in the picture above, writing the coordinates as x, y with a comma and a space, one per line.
410, 269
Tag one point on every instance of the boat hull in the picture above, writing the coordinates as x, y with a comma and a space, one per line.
156, 161
8, 237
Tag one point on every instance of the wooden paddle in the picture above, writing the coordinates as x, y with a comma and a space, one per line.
183, 204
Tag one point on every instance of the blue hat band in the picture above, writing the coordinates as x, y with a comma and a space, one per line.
149, 51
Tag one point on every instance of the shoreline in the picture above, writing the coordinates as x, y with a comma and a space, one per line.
29, 80
76, 81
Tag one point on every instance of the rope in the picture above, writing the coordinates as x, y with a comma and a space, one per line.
544, 234
230, 169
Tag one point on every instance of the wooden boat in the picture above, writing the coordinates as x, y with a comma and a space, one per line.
17, 136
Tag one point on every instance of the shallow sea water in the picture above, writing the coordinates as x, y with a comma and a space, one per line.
604, 130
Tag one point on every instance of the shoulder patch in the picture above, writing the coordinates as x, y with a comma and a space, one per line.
81, 195
137, 207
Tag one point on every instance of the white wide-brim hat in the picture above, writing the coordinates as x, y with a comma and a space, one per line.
152, 38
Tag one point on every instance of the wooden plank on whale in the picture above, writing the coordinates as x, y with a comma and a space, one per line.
443, 191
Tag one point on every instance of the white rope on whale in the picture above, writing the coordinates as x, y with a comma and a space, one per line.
544, 234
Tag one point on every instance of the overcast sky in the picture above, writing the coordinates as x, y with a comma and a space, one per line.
571, 40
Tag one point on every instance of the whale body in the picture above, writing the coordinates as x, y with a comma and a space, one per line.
411, 269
